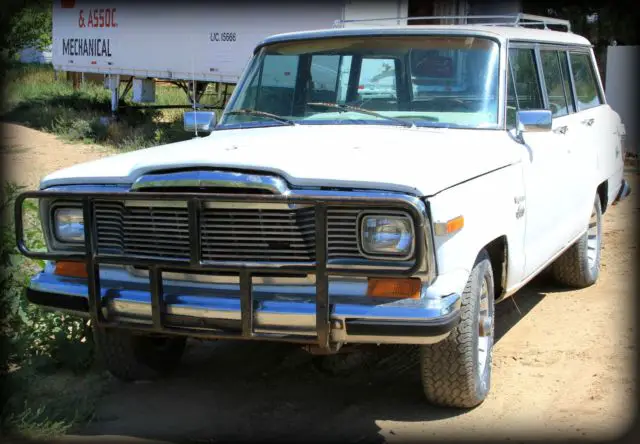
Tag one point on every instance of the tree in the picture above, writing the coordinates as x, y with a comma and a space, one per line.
603, 22
25, 23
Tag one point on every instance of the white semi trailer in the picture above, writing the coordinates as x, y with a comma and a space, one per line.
194, 43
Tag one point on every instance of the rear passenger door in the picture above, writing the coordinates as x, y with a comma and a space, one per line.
594, 117
578, 144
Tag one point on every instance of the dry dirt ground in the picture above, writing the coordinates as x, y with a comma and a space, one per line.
564, 365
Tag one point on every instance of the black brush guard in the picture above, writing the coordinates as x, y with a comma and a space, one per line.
92, 258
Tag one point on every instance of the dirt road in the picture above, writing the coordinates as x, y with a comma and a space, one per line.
29, 155
563, 367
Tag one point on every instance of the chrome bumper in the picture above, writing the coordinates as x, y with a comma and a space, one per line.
285, 311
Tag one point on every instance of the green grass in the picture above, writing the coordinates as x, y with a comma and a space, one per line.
50, 381
33, 97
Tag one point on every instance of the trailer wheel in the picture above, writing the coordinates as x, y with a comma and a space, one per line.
129, 356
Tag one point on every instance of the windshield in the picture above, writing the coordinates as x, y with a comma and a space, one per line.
446, 81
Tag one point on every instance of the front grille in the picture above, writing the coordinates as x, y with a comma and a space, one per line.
237, 234
258, 234
342, 237
143, 231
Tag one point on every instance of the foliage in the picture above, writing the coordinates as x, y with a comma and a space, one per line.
600, 21
25, 23
35, 343
34, 97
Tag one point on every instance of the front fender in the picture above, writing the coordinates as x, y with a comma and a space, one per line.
492, 206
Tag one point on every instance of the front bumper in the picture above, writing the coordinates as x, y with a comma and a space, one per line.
317, 313
287, 311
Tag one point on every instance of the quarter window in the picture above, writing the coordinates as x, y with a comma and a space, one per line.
587, 93
554, 83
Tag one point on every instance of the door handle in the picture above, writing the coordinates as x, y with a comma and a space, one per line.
561, 129
588, 122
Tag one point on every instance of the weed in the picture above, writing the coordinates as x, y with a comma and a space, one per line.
38, 346
35, 98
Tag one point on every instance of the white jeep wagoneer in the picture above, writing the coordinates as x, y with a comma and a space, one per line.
313, 213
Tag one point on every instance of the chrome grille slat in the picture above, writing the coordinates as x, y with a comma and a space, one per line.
258, 234
342, 235
142, 231
236, 234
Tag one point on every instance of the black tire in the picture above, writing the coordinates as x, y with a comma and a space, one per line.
132, 357
452, 374
574, 268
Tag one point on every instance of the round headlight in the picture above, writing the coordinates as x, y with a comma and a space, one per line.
387, 235
68, 224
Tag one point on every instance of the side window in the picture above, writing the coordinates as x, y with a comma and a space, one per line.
271, 90
523, 85
525, 76
344, 70
554, 83
564, 68
324, 77
587, 93
377, 81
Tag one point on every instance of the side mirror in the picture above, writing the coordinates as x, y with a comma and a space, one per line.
533, 121
203, 121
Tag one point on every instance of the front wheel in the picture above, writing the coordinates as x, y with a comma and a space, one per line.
130, 356
579, 266
456, 372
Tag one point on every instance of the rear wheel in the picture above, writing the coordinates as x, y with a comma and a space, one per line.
456, 372
129, 356
579, 266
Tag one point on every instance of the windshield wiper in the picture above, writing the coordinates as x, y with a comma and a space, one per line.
361, 110
255, 112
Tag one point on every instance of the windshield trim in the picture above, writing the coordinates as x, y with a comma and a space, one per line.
500, 41
354, 122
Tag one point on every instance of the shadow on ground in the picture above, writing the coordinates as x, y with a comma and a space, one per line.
242, 390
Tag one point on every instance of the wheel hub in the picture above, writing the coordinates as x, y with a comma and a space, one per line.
593, 240
485, 325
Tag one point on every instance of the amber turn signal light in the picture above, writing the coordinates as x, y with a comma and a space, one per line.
71, 269
394, 288
451, 226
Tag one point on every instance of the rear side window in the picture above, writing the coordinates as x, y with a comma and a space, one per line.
557, 90
587, 93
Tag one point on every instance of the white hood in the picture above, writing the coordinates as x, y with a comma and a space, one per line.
421, 161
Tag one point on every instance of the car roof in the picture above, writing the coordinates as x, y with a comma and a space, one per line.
502, 33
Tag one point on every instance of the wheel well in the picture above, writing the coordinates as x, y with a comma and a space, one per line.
602, 191
497, 250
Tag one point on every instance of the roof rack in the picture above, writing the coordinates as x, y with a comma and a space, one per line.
515, 20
